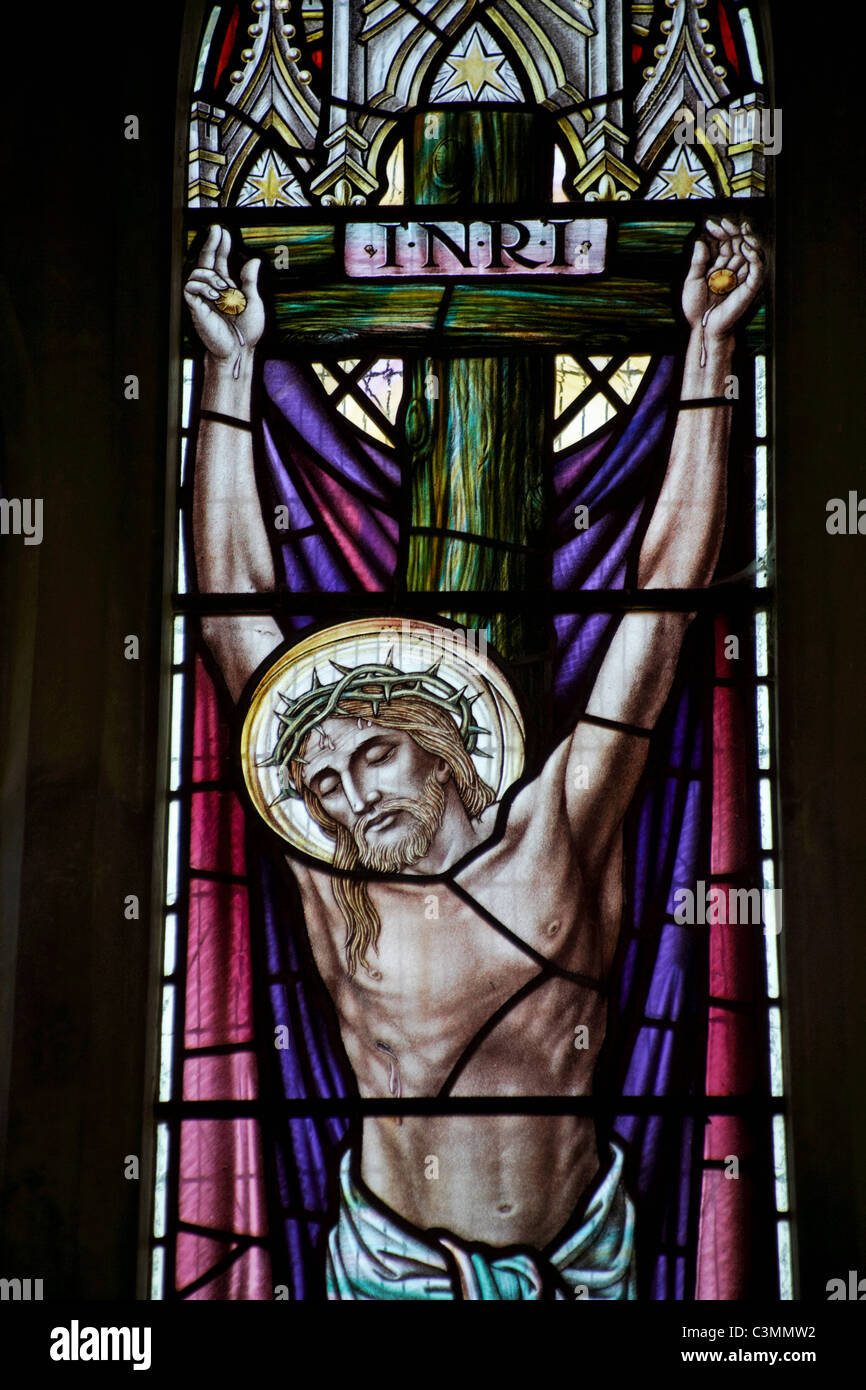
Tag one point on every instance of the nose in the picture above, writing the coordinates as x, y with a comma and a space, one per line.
359, 797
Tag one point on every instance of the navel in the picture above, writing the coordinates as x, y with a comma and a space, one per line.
552, 927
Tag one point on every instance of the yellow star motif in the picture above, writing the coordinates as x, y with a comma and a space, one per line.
475, 69
270, 186
682, 183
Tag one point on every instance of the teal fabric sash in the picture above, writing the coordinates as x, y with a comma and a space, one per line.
372, 1254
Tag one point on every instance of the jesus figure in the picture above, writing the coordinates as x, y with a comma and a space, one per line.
520, 1207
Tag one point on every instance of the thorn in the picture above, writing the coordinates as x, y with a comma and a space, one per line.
316, 682
343, 670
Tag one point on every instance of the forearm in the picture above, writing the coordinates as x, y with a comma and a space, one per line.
232, 550
231, 544
680, 550
682, 543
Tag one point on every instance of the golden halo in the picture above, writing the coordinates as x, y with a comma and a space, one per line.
413, 645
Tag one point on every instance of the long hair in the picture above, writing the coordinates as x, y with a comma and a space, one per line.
435, 732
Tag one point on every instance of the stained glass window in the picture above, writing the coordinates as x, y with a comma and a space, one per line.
472, 985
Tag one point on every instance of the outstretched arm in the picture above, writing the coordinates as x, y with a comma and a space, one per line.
680, 550
232, 552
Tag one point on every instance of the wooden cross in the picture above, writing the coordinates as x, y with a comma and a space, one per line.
478, 440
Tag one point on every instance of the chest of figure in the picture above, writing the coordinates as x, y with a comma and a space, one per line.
432, 935
531, 885
437, 952
445, 962
438, 973
448, 976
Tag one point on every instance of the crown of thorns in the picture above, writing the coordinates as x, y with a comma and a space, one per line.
377, 684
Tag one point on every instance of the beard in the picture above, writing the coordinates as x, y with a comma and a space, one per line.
425, 813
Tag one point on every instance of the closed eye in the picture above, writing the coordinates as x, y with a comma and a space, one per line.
326, 786
380, 753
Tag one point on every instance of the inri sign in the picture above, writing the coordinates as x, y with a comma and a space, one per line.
557, 246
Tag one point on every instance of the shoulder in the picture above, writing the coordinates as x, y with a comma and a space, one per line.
529, 815
312, 882
542, 796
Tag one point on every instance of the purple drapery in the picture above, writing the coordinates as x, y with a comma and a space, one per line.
342, 495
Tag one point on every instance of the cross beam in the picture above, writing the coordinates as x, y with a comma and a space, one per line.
493, 318
317, 306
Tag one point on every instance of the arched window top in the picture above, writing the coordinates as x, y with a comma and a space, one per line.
305, 104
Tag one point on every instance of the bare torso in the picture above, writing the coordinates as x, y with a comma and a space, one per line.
433, 1016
